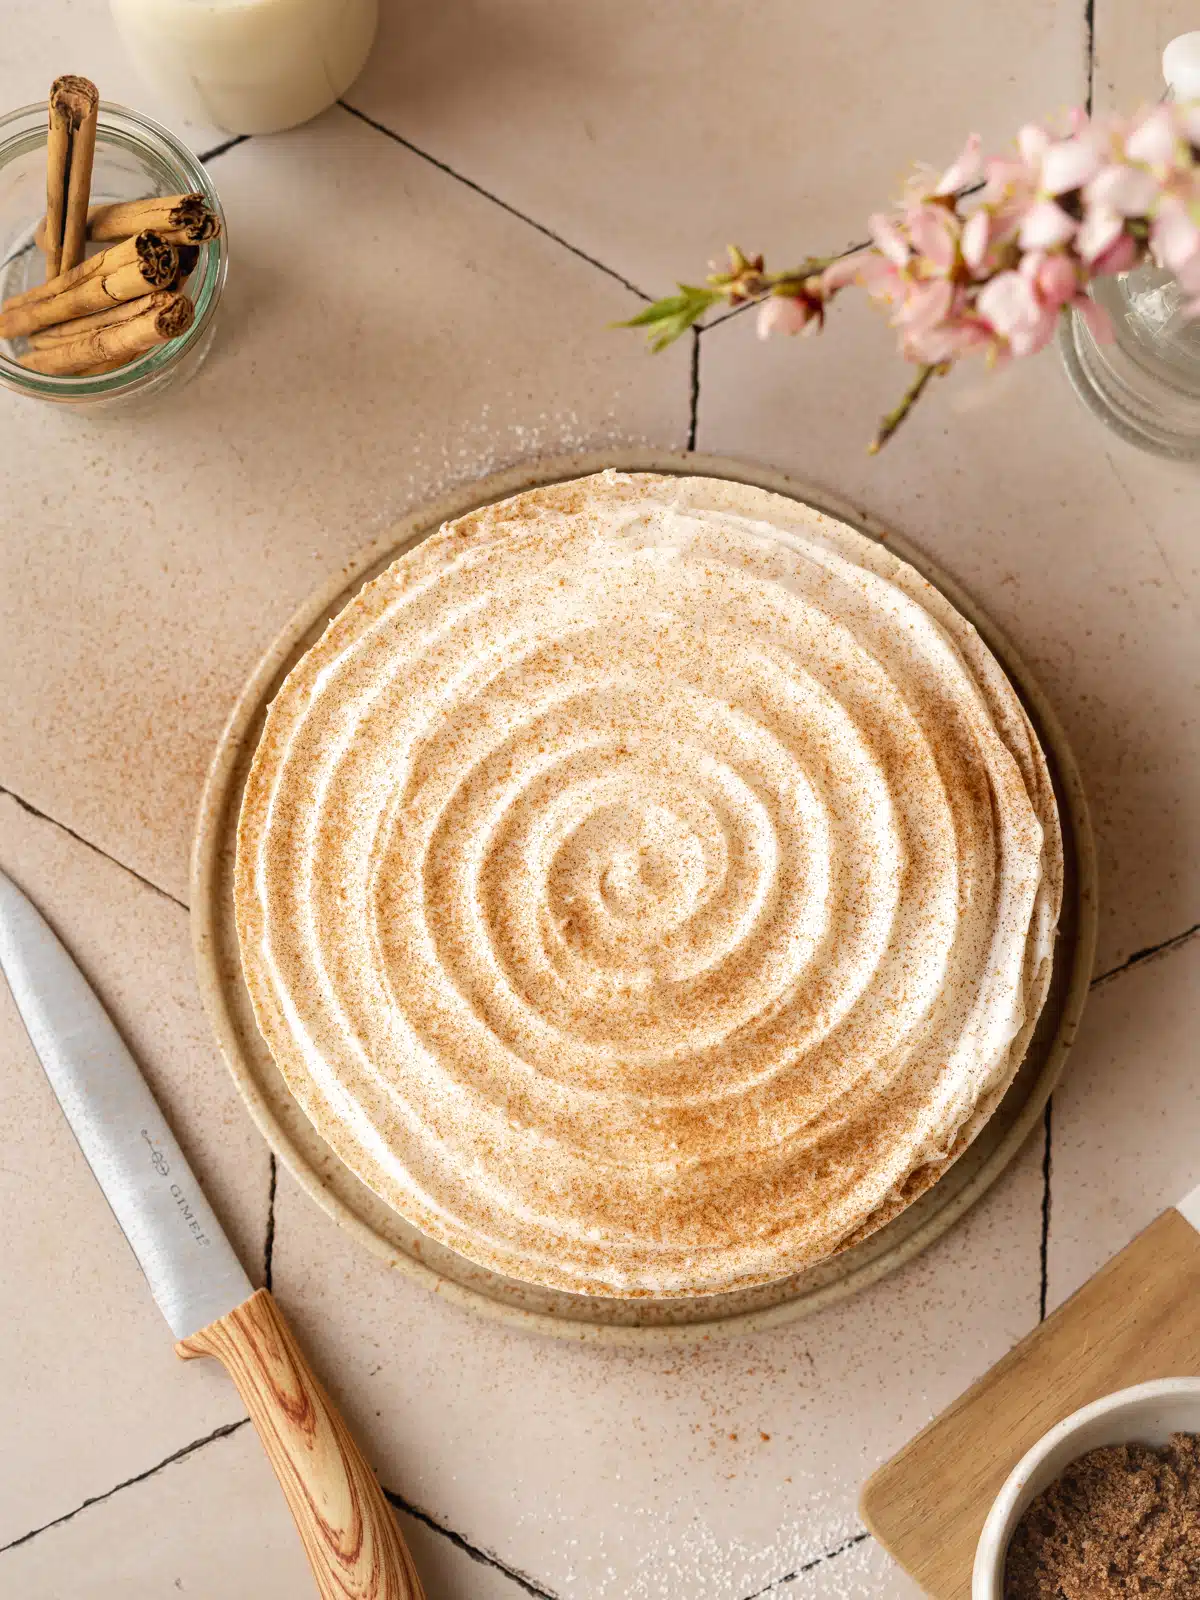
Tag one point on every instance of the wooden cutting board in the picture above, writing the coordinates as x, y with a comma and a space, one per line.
1137, 1319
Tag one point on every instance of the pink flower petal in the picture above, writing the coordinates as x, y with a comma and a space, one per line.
926, 305
1153, 139
933, 233
1008, 303
1031, 264
1057, 281
1033, 142
1027, 341
783, 314
1129, 191
888, 238
976, 237
967, 169
1122, 256
1175, 237
1045, 225
1069, 164
846, 270
1098, 232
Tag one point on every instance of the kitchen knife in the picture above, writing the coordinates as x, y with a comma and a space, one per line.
349, 1533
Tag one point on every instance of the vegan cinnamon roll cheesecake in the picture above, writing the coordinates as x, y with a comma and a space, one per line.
648, 885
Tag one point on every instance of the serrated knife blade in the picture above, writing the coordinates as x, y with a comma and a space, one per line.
191, 1268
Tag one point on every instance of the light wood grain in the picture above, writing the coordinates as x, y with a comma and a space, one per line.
347, 1527
1137, 1319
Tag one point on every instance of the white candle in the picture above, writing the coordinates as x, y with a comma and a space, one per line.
1181, 66
251, 66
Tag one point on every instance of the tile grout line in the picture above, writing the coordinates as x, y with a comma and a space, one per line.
1047, 1170
222, 1432
694, 391
495, 199
521, 1579
829, 1555
44, 816
219, 149
269, 1239
1139, 957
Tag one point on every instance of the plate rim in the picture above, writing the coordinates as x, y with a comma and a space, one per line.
209, 839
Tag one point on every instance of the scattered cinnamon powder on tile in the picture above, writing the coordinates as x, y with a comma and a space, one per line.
1123, 1520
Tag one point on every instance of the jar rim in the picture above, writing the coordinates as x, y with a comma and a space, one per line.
24, 129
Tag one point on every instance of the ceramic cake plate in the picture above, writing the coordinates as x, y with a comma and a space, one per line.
638, 1321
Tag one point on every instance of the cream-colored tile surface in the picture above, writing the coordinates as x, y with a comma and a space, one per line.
387, 333
708, 1471
1076, 546
212, 1526
1127, 1118
651, 134
41, 41
92, 1389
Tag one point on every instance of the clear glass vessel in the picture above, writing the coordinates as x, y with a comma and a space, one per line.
1146, 384
135, 157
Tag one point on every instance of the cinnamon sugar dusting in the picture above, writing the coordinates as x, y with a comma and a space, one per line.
648, 885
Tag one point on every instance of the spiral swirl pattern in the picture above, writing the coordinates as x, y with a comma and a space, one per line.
648, 885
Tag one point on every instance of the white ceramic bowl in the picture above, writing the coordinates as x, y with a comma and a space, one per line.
1147, 1414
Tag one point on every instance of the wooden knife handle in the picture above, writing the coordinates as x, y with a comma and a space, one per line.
349, 1532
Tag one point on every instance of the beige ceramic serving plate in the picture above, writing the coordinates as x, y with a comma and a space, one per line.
345, 1198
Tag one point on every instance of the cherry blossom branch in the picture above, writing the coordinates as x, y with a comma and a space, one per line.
987, 256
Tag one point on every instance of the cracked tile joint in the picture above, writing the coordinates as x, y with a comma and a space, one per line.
485, 1558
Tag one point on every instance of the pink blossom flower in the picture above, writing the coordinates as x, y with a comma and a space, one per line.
1153, 139
784, 313
965, 170
933, 233
1067, 164
1126, 190
1010, 305
848, 269
1121, 256
997, 272
888, 238
1055, 278
1033, 142
1045, 225
1098, 232
1175, 239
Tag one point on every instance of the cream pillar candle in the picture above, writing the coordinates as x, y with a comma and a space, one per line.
251, 66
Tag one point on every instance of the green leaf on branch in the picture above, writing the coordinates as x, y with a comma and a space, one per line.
672, 316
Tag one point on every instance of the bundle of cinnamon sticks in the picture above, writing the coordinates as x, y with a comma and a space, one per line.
97, 313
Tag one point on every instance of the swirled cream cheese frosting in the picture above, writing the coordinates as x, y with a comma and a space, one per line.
648, 885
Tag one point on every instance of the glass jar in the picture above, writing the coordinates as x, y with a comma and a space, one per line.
135, 157
1146, 384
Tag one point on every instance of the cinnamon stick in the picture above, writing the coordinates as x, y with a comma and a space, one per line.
154, 265
181, 218
159, 260
110, 317
70, 148
119, 343
188, 254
